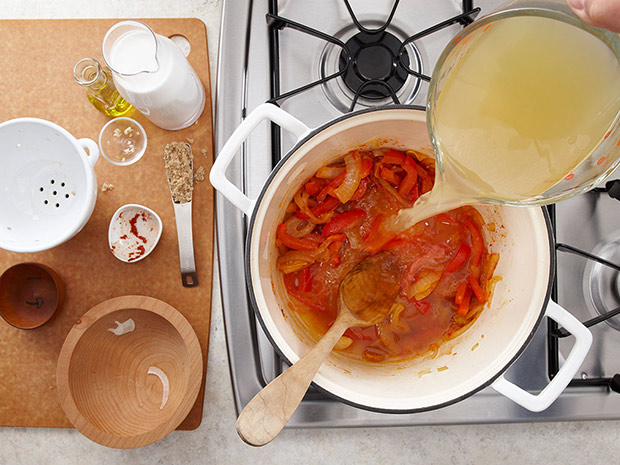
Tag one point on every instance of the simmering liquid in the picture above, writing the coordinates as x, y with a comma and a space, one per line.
526, 103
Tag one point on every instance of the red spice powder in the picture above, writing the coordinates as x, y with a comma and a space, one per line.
134, 228
135, 255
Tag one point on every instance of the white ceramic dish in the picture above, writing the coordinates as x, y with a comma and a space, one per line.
48, 184
134, 232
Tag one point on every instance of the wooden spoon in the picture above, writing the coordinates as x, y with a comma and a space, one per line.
365, 297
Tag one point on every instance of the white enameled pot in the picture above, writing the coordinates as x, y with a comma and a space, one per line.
475, 359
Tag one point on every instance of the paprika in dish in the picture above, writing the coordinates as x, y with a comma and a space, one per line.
335, 221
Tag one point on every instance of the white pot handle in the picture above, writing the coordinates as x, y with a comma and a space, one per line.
583, 341
265, 111
92, 150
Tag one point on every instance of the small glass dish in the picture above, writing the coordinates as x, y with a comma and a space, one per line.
122, 141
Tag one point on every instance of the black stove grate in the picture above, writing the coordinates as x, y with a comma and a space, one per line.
374, 64
554, 332
355, 65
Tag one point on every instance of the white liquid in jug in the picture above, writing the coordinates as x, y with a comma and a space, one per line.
135, 52
157, 80
527, 104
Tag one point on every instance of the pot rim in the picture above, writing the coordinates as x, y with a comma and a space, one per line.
248, 274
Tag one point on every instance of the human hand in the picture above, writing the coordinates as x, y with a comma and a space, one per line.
599, 13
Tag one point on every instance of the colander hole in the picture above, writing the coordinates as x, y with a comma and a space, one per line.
57, 205
62, 184
52, 181
55, 192
41, 189
66, 196
45, 202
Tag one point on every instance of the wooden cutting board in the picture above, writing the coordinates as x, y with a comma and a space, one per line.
36, 64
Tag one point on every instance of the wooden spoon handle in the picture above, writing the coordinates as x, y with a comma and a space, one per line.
268, 412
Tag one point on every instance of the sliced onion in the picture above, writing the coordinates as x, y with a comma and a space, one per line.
374, 353
299, 228
343, 343
330, 171
397, 323
301, 200
388, 187
322, 253
356, 240
294, 260
425, 283
352, 179
387, 337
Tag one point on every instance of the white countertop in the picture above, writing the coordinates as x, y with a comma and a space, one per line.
216, 441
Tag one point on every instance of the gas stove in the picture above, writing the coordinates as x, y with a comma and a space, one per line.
318, 60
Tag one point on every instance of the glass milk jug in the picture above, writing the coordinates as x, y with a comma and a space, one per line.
151, 72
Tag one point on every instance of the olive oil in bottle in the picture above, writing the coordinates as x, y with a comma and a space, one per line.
100, 88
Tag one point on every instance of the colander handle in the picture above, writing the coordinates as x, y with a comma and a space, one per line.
92, 150
265, 111
583, 341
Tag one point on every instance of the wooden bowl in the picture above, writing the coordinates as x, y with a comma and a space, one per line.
112, 385
30, 295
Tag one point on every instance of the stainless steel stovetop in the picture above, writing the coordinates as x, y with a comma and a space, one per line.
588, 222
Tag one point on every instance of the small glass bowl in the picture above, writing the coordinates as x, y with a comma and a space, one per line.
122, 141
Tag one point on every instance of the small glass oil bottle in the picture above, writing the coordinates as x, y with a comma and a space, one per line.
100, 88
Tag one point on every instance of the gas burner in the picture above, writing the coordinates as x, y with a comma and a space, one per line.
602, 283
375, 72
375, 65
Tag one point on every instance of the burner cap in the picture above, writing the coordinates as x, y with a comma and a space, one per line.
374, 58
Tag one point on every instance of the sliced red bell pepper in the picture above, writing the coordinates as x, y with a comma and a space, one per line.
293, 242
444, 218
330, 187
426, 179
314, 186
458, 260
390, 176
341, 222
377, 237
357, 334
361, 190
334, 253
411, 179
394, 244
393, 157
422, 306
366, 167
327, 205
475, 287
322, 207
463, 307
477, 243
306, 280
294, 285
460, 292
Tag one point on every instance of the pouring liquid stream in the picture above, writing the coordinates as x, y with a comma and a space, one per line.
524, 105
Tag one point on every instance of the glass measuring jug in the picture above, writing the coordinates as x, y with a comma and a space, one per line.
151, 72
523, 107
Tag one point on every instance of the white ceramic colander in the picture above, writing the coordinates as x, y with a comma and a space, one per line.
47, 184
